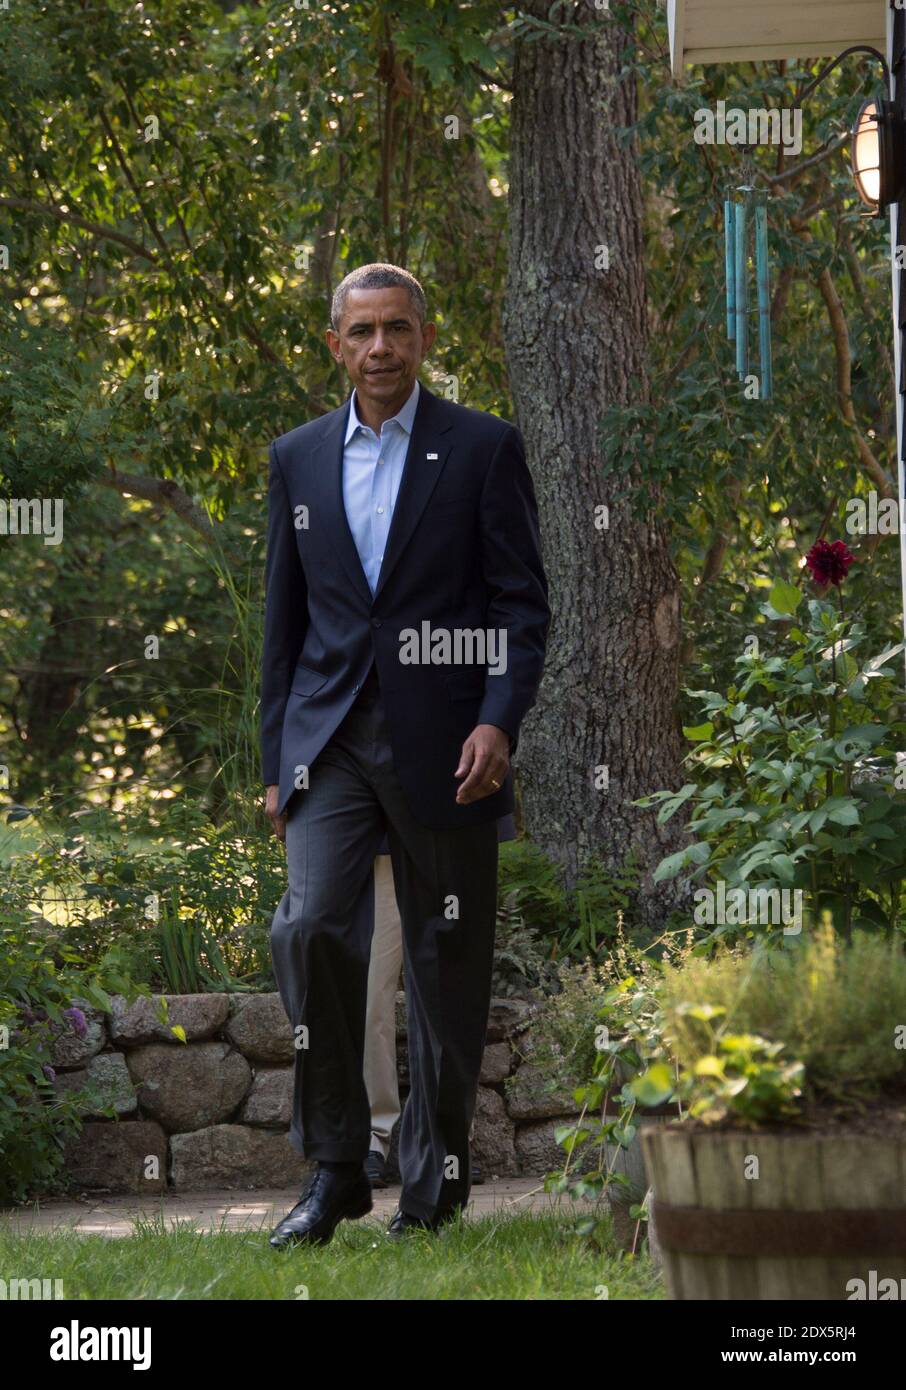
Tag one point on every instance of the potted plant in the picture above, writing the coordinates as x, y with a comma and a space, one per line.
787, 1177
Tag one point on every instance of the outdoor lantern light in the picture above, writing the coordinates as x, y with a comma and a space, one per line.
877, 154
878, 146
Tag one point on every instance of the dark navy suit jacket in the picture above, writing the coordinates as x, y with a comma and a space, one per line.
463, 552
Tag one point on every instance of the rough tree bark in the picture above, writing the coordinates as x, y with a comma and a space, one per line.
577, 342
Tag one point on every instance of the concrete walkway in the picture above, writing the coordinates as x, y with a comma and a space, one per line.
237, 1211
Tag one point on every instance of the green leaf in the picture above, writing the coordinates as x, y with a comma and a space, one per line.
655, 1086
873, 667
703, 1012
785, 598
842, 810
698, 733
784, 868
699, 853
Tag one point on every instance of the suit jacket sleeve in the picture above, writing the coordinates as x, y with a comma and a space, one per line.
514, 575
285, 618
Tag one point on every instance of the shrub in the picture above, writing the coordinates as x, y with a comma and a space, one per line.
748, 1030
188, 904
798, 788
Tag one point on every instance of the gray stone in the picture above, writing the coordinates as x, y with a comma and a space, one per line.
118, 1156
496, 1063
106, 1081
270, 1101
260, 1029
190, 1086
199, 1015
235, 1156
492, 1136
507, 1016
68, 1050
538, 1151
530, 1096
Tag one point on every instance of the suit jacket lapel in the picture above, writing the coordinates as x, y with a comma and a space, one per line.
425, 458
327, 477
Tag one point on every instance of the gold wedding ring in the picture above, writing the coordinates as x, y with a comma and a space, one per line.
494, 782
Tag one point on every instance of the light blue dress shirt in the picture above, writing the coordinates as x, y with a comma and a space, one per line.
372, 472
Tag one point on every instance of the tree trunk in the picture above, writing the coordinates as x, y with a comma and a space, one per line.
577, 342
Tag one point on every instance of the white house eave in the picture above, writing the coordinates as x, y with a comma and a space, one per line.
740, 31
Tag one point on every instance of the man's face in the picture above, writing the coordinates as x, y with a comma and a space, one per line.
381, 344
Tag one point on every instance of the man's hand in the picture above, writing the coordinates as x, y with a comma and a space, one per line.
270, 806
486, 758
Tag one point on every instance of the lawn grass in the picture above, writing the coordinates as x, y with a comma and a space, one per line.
512, 1257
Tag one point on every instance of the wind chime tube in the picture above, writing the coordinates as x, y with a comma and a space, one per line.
742, 298
730, 267
764, 302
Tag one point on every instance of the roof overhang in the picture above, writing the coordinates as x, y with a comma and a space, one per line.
739, 31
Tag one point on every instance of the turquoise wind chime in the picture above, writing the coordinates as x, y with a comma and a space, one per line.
739, 218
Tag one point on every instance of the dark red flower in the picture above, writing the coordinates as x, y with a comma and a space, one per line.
828, 562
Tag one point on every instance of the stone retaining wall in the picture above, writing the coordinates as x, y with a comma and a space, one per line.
214, 1111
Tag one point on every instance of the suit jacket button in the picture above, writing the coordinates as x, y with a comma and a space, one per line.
375, 622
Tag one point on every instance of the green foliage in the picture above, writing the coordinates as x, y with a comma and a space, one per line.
561, 1041
522, 963
604, 1031
742, 1075
748, 1030
40, 993
187, 904
202, 252
578, 922
798, 784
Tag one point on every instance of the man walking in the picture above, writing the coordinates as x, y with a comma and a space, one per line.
406, 619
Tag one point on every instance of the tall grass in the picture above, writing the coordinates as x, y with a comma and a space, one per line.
227, 714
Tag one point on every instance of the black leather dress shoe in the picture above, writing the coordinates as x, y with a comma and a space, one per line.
330, 1199
402, 1223
376, 1168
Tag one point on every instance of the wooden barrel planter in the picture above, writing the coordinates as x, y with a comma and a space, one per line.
825, 1211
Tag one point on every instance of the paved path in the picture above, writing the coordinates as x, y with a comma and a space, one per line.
236, 1210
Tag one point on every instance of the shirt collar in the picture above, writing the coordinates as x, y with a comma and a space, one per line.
404, 416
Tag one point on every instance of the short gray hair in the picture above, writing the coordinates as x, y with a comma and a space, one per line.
378, 276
